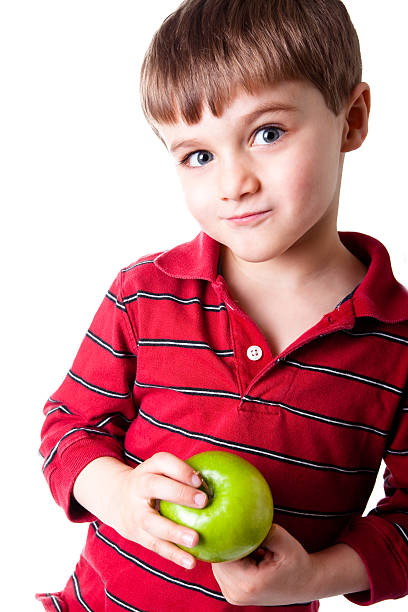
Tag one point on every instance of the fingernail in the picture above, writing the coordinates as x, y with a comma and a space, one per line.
200, 499
187, 539
196, 480
188, 562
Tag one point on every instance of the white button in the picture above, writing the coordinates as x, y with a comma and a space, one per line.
254, 352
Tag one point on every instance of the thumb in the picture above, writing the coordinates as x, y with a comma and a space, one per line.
279, 541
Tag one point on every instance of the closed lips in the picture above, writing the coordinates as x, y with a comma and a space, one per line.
249, 214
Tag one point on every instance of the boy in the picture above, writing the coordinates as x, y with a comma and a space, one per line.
264, 336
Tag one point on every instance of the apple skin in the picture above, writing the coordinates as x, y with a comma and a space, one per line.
239, 511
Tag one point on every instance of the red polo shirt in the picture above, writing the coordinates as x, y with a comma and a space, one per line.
171, 362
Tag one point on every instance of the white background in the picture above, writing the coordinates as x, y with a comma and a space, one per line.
86, 188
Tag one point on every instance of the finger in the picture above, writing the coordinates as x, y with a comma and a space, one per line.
171, 466
161, 487
277, 537
169, 551
232, 573
164, 529
279, 543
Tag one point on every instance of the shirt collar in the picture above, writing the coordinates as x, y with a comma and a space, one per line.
197, 259
379, 295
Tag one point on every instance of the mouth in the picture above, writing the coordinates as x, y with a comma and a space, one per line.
248, 217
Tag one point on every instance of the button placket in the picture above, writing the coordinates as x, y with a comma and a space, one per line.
246, 335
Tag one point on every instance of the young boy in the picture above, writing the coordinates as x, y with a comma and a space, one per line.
269, 335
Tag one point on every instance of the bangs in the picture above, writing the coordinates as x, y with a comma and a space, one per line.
183, 90
207, 49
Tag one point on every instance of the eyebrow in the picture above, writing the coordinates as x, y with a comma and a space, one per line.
181, 144
268, 107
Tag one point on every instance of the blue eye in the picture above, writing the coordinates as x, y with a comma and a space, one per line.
267, 135
198, 158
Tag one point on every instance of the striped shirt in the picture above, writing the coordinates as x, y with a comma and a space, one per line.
165, 366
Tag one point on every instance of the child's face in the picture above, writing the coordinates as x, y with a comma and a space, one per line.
283, 165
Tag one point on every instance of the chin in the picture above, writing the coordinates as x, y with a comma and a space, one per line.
256, 254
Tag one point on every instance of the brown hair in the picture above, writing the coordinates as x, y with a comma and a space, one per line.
206, 48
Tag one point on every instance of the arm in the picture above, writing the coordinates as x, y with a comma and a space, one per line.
338, 570
287, 574
381, 537
89, 414
82, 443
368, 562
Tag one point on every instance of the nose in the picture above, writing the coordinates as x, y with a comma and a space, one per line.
237, 179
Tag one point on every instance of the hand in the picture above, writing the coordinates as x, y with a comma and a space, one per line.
125, 498
163, 476
280, 573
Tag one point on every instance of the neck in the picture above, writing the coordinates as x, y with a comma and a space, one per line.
314, 259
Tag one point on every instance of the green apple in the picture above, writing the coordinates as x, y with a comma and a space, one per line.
239, 511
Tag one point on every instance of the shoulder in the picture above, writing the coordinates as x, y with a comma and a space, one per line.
139, 268
138, 274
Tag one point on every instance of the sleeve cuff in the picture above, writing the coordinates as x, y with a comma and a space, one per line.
376, 541
74, 459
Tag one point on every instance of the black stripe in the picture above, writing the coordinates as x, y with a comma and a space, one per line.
108, 347
54, 601
386, 335
126, 606
112, 417
95, 388
121, 603
317, 416
256, 400
403, 532
284, 509
60, 408
317, 514
345, 374
396, 452
191, 390
183, 344
254, 450
138, 263
169, 296
152, 570
79, 594
133, 457
53, 452
111, 296
380, 511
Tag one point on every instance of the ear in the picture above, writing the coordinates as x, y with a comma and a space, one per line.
356, 114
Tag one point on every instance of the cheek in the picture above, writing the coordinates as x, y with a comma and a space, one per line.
314, 176
197, 203
191, 197
306, 182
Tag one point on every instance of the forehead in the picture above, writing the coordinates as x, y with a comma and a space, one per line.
283, 99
